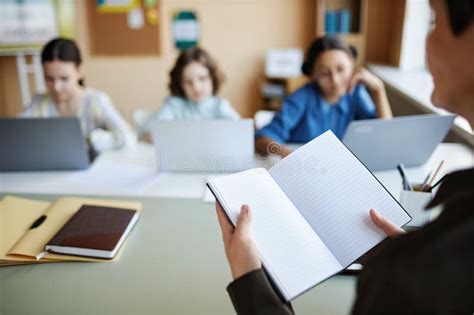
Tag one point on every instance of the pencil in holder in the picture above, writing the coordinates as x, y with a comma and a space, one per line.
414, 202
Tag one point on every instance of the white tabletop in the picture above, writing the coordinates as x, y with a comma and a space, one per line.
133, 173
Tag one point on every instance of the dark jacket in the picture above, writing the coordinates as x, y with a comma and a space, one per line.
429, 271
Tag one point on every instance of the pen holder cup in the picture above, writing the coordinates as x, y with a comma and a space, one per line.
414, 202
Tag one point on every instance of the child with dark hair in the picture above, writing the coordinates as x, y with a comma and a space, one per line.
335, 96
194, 82
101, 123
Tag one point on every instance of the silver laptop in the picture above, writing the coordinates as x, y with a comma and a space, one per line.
38, 144
382, 144
204, 146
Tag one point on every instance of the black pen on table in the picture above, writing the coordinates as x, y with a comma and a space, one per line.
35, 225
38, 221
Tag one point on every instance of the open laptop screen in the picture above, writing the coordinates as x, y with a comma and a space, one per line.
36, 144
382, 144
204, 146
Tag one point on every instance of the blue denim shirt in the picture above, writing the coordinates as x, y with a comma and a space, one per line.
305, 114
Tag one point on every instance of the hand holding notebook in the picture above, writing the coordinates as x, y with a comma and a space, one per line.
310, 212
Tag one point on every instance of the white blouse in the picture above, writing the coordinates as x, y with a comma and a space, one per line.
100, 121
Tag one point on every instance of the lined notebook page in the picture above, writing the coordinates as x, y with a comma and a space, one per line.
335, 192
293, 254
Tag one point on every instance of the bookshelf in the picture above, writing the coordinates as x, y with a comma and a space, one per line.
375, 29
355, 33
384, 35
274, 90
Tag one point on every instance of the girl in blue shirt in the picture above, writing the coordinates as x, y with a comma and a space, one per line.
334, 97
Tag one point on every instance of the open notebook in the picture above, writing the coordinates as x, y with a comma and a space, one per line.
310, 212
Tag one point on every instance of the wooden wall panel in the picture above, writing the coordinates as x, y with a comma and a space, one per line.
384, 31
10, 97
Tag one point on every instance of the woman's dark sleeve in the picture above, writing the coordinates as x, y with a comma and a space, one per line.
253, 294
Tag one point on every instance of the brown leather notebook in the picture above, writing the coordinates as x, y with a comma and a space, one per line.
94, 231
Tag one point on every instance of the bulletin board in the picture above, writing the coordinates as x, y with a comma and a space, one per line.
110, 33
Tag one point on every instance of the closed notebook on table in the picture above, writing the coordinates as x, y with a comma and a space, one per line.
32, 243
94, 231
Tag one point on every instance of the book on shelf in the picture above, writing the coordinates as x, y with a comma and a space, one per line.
338, 21
330, 21
344, 20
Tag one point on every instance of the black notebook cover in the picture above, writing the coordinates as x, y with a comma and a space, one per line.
94, 228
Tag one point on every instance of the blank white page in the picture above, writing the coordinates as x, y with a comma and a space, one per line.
334, 192
292, 253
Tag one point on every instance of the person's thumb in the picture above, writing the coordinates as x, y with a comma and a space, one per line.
386, 226
243, 222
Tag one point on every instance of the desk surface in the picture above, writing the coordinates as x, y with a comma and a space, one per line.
132, 173
174, 263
